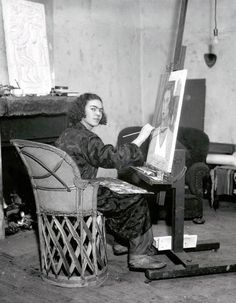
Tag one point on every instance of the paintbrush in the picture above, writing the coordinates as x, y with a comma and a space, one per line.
135, 133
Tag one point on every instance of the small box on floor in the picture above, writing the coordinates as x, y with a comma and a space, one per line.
165, 242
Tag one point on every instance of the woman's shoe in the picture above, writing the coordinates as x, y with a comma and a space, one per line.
199, 220
143, 262
119, 249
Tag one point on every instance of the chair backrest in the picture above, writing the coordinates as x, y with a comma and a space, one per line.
55, 178
196, 142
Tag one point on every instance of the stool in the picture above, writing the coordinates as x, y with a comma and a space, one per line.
71, 230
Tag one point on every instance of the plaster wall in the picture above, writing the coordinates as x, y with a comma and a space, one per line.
220, 112
97, 49
3, 61
158, 27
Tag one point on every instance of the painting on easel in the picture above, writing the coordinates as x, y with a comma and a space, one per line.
162, 145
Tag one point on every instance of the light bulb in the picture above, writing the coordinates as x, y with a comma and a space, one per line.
215, 39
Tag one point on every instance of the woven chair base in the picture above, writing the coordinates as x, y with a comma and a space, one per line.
73, 250
76, 281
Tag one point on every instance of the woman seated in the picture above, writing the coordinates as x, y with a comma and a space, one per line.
127, 216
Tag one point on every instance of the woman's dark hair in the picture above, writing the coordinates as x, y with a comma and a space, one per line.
77, 109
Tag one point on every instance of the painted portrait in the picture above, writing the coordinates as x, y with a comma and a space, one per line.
163, 141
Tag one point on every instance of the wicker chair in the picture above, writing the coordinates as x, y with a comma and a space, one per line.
71, 231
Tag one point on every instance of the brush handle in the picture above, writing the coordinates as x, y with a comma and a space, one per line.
131, 134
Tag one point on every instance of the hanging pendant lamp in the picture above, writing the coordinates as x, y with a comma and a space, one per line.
210, 57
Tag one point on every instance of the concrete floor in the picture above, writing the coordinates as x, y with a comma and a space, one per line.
20, 280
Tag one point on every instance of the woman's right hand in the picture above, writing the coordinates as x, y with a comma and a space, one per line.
144, 134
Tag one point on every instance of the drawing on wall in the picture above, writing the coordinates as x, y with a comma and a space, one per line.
26, 46
162, 144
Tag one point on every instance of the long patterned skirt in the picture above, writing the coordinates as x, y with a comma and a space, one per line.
127, 216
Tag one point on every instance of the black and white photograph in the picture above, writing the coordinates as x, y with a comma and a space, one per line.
117, 151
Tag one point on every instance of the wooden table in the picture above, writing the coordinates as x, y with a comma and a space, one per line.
36, 118
175, 185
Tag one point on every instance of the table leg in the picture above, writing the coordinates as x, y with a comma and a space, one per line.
177, 253
178, 215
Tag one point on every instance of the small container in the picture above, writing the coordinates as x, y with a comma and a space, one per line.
18, 92
52, 92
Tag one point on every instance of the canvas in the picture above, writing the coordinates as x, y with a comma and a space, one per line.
162, 144
26, 46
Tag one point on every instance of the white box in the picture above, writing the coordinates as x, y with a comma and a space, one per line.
165, 242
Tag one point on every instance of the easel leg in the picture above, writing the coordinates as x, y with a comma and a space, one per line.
178, 215
2, 227
177, 254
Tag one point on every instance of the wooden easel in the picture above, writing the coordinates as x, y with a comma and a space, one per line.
177, 64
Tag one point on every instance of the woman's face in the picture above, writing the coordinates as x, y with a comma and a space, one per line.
165, 106
93, 113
